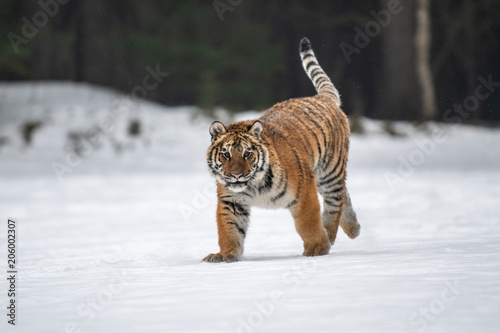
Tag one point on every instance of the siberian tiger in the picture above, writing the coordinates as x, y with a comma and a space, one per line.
282, 160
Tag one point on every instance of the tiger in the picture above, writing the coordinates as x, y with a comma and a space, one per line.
295, 150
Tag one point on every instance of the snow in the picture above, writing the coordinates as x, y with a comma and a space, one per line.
115, 244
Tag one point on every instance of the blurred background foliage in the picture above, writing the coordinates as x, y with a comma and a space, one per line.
249, 59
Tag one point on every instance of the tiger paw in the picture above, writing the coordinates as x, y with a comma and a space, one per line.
316, 249
217, 257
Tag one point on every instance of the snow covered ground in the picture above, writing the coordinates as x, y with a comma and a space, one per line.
112, 241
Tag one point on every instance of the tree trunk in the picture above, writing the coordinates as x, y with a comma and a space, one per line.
398, 92
91, 56
423, 66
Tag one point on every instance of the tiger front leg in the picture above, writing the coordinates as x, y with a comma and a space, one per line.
307, 215
232, 224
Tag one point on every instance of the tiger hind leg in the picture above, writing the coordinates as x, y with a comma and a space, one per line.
348, 219
332, 212
337, 211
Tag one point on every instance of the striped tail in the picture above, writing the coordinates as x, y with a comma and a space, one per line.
318, 77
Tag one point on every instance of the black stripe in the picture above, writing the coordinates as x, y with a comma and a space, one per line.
308, 115
328, 160
236, 142
272, 127
310, 119
329, 174
332, 178
235, 208
213, 156
316, 71
280, 135
333, 197
312, 63
299, 165
331, 203
268, 182
340, 166
282, 193
319, 112
297, 157
293, 202
278, 185
325, 84
240, 230
327, 182
318, 144
261, 158
321, 80
320, 76
292, 148
301, 121
308, 55
337, 190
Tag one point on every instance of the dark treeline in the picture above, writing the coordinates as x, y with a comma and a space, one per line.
390, 59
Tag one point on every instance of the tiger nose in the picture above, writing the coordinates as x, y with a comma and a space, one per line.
236, 175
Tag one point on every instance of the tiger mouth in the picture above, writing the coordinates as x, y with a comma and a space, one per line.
241, 182
233, 181
238, 183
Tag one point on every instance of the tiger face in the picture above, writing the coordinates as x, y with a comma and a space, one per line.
237, 157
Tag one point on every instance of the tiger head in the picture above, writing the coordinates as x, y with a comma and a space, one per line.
237, 156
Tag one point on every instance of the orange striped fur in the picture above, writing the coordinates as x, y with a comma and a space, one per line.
282, 160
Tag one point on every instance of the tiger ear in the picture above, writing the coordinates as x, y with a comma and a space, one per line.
256, 130
217, 129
